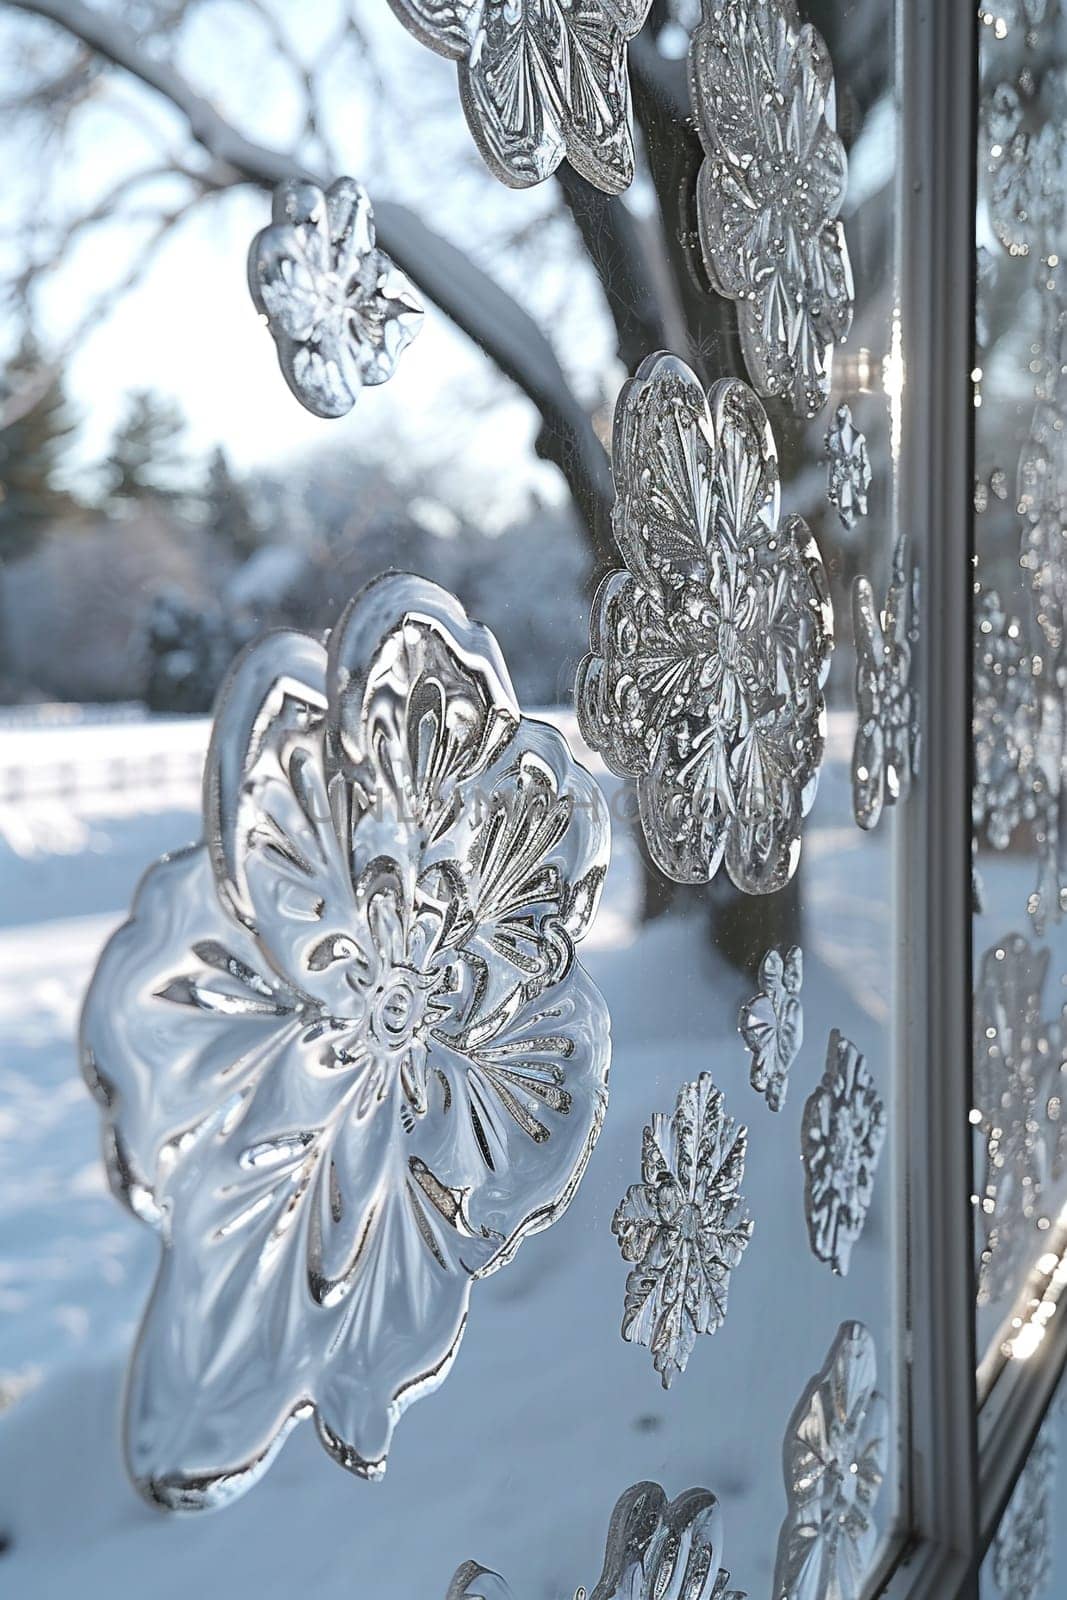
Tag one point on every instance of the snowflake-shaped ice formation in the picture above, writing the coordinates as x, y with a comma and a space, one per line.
685, 1226
540, 80
836, 1455
709, 651
655, 1549
885, 757
848, 468
842, 1134
345, 1053
340, 312
770, 191
772, 1023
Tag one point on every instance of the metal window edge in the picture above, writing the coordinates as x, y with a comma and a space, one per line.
937, 71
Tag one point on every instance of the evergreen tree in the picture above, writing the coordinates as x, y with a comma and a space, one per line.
31, 449
146, 456
227, 513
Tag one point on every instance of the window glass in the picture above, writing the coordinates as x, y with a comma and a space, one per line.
182, 503
1019, 665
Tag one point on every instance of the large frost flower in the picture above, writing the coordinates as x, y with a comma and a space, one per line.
685, 1226
655, 1549
842, 1134
836, 1453
710, 651
346, 1055
340, 312
885, 757
770, 191
540, 80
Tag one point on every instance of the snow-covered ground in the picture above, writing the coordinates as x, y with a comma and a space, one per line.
548, 1415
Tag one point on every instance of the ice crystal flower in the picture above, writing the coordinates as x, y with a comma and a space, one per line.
836, 1453
848, 468
340, 312
710, 650
842, 1135
772, 1024
657, 1547
540, 80
654, 1548
770, 191
346, 1055
885, 757
685, 1226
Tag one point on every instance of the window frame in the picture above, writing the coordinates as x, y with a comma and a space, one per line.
963, 1458
938, 72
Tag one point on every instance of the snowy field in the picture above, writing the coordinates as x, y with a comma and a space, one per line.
548, 1416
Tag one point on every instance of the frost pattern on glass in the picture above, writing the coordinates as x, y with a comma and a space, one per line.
1002, 117
1042, 506
1019, 1090
885, 757
770, 191
848, 468
710, 650
836, 1453
1007, 778
540, 80
346, 1055
685, 1226
1042, 471
1022, 1549
842, 1134
772, 1023
340, 312
1012, 12
655, 1549
1018, 737
1026, 196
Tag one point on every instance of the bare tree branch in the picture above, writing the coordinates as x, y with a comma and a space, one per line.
472, 300
615, 247
27, 395
661, 108
303, 72
72, 83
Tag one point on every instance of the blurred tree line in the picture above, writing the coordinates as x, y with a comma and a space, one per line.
147, 458
145, 587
